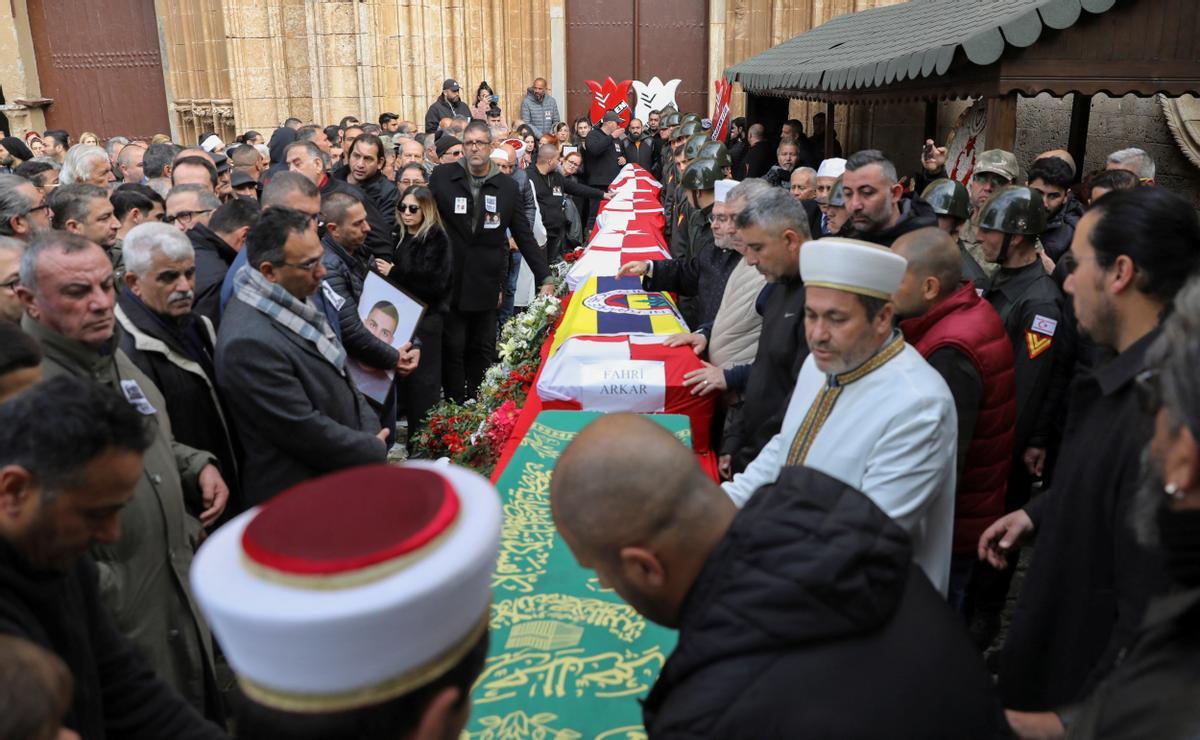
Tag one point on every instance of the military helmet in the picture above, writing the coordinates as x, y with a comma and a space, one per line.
948, 198
701, 175
691, 149
1015, 209
715, 150
687, 128
668, 120
667, 110
998, 162
837, 198
689, 117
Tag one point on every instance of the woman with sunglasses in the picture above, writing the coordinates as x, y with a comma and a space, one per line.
421, 266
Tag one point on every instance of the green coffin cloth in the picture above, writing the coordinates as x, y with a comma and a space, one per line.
568, 659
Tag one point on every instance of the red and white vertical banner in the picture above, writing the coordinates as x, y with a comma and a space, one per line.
720, 116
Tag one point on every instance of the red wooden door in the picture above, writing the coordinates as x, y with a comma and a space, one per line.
99, 61
638, 40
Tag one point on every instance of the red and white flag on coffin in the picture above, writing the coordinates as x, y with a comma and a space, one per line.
630, 237
634, 373
635, 172
605, 261
624, 220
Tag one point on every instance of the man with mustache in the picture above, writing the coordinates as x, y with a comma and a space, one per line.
172, 343
67, 292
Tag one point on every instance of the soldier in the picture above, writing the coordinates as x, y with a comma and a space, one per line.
717, 152
688, 127
952, 204
1031, 307
994, 169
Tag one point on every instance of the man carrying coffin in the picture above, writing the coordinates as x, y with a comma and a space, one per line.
867, 409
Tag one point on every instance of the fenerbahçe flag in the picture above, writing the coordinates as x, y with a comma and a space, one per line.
610, 305
632, 373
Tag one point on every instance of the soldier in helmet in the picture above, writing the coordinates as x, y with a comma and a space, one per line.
994, 169
717, 152
673, 164
836, 215
952, 204
1031, 308
680, 242
702, 273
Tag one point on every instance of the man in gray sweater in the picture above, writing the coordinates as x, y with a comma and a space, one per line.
538, 109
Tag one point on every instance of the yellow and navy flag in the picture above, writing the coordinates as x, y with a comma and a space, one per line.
614, 306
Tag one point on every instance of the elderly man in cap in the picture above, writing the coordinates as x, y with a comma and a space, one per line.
448, 105
867, 409
341, 624
794, 613
994, 169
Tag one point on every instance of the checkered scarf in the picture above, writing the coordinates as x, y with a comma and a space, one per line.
300, 317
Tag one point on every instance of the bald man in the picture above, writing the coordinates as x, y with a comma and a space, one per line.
962, 337
790, 611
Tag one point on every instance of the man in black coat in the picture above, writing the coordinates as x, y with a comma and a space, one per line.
795, 614
82, 444
639, 146
283, 370
782, 347
874, 200
216, 247
1086, 590
479, 206
447, 105
604, 153
174, 345
364, 170
760, 155
551, 190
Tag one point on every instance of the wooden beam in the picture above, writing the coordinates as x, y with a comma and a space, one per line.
1081, 113
829, 130
1002, 122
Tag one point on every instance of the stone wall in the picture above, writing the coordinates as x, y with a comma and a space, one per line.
18, 70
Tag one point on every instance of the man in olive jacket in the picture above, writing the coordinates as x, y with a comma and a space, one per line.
480, 207
67, 291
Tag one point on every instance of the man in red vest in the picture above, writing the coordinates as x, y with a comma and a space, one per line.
962, 337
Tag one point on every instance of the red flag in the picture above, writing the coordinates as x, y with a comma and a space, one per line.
610, 96
720, 116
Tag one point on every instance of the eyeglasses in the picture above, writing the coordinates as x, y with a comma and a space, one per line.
186, 215
409, 208
307, 266
476, 144
42, 207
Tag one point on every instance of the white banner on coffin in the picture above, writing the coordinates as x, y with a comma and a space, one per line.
611, 385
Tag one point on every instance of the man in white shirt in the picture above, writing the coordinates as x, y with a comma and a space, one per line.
867, 409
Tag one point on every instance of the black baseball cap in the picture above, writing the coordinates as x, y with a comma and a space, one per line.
450, 84
610, 116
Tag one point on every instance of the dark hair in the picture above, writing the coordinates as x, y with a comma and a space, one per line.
390, 719
18, 350
87, 419
1052, 171
1112, 180
157, 157
36, 689
309, 147
370, 140
347, 120
71, 202
33, 170
412, 165
265, 241
386, 118
124, 201
308, 133
59, 135
866, 157
335, 205
289, 121
1157, 229
331, 133
796, 125
483, 86
525, 130
234, 214
195, 161
245, 155
872, 304
284, 183
248, 136
200, 139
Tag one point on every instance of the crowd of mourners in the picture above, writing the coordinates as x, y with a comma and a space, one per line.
918, 384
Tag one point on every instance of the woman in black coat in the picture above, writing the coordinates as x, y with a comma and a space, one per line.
421, 265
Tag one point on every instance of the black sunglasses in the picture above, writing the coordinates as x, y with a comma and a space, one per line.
409, 208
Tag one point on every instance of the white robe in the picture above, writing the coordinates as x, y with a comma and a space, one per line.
891, 434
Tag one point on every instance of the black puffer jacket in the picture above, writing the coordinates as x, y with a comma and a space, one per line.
810, 620
345, 276
914, 214
380, 204
1060, 229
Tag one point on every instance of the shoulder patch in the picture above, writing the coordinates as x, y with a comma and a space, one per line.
1036, 343
1043, 325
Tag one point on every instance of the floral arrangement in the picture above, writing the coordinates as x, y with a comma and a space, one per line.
473, 434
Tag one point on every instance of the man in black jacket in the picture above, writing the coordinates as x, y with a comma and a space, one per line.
760, 157
448, 105
773, 226
1087, 587
603, 154
216, 246
790, 612
551, 190
874, 200
364, 171
479, 206
71, 454
174, 345
639, 145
